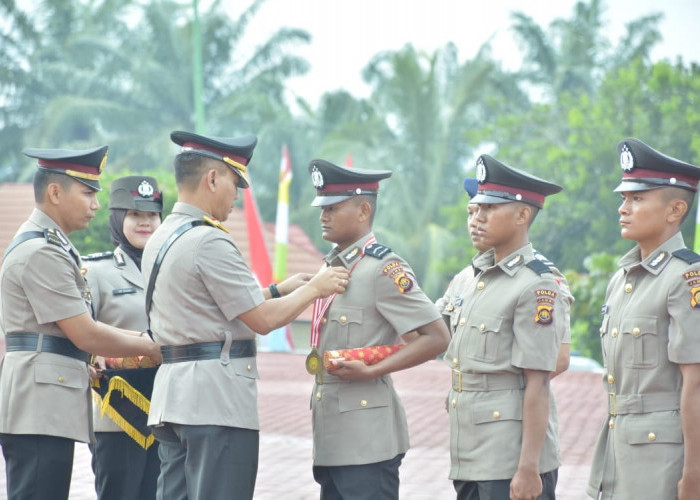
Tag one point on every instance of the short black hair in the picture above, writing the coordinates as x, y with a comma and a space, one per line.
42, 179
677, 193
370, 199
189, 168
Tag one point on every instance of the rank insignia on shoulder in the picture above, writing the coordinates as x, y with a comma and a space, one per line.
687, 255
56, 237
215, 223
377, 251
97, 256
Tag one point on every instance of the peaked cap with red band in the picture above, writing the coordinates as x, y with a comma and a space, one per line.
500, 183
335, 184
84, 165
136, 192
645, 168
235, 152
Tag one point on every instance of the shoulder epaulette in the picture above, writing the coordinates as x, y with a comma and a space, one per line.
538, 266
97, 256
687, 255
215, 223
56, 237
377, 251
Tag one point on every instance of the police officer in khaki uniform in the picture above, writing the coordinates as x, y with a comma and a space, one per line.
44, 377
471, 186
205, 311
123, 467
359, 424
650, 443
508, 316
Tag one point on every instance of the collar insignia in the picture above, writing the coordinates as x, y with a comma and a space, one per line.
514, 262
660, 257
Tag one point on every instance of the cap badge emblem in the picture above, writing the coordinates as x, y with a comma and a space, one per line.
626, 159
317, 178
480, 171
145, 189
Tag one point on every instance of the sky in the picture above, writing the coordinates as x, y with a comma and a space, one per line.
347, 33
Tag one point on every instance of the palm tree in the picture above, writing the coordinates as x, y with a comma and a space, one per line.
574, 54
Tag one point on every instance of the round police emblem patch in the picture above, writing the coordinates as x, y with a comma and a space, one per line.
145, 189
626, 159
317, 178
480, 171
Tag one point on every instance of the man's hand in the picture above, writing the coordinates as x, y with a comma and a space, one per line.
330, 280
353, 370
525, 485
293, 282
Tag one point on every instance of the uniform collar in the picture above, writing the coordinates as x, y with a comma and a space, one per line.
191, 210
350, 255
509, 265
44, 221
657, 260
128, 267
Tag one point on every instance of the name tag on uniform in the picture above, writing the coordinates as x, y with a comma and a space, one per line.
123, 291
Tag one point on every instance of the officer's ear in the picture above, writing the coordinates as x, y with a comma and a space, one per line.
365, 210
677, 210
209, 179
524, 214
54, 193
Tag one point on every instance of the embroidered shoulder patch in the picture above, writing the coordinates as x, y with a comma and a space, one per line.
377, 251
692, 278
395, 272
97, 256
544, 313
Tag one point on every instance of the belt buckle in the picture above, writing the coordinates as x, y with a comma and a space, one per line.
456, 380
612, 404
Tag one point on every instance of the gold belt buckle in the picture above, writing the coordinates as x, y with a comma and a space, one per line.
612, 404
456, 380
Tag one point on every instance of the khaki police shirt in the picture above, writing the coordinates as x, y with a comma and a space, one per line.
117, 291
504, 318
363, 422
43, 393
202, 287
650, 326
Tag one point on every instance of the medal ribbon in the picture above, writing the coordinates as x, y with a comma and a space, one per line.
322, 305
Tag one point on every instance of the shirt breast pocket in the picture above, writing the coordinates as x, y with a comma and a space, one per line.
69, 377
363, 396
640, 342
485, 338
346, 323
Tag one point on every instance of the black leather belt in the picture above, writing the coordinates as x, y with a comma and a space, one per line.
49, 343
206, 350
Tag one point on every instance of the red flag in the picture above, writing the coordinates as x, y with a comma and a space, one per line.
259, 256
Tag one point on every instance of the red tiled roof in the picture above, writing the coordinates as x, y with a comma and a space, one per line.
17, 202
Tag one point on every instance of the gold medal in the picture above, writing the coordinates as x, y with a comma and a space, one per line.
313, 363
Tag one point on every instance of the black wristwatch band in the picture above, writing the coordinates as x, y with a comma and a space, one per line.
274, 291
